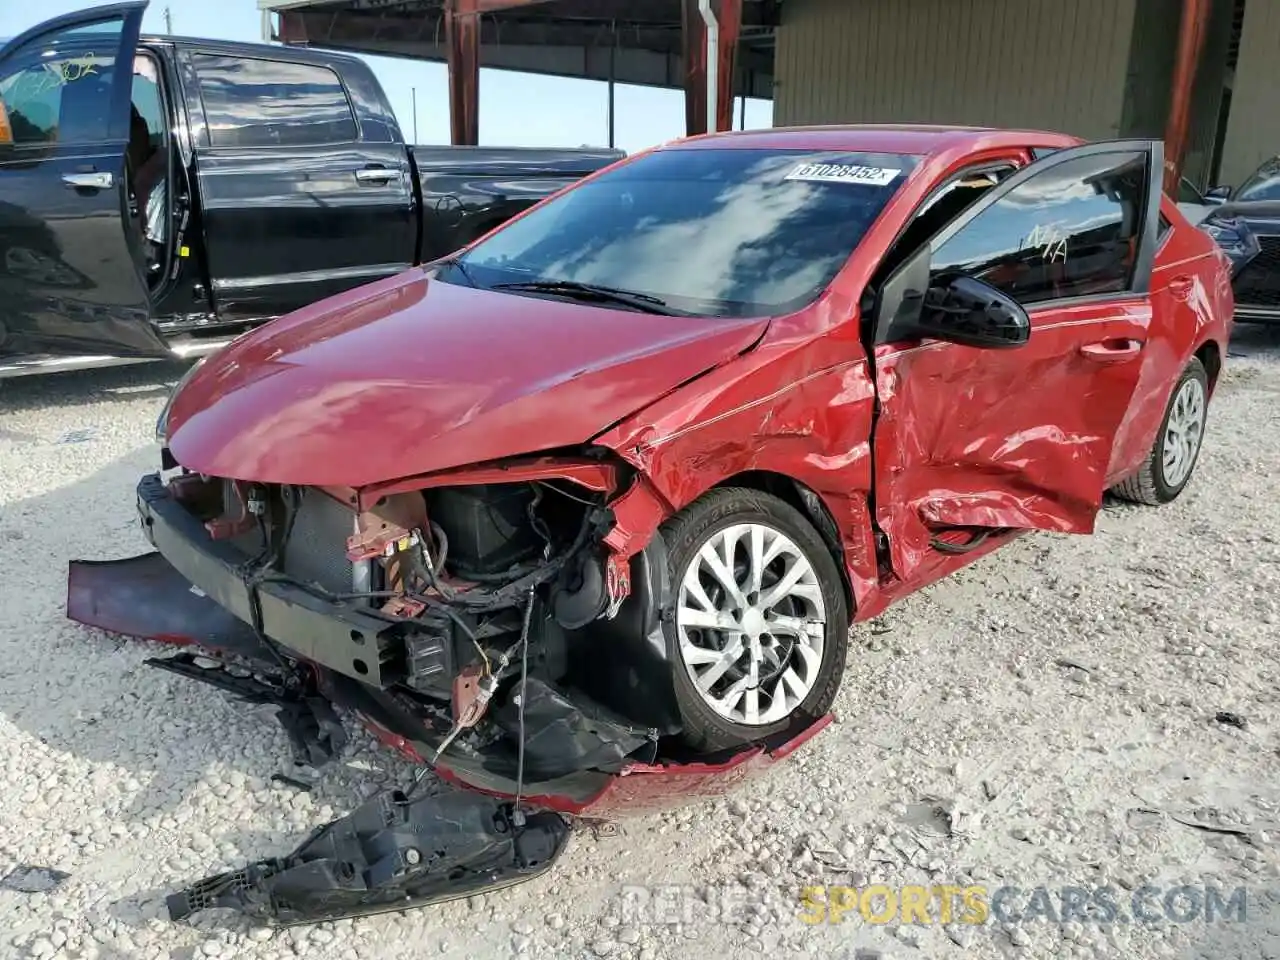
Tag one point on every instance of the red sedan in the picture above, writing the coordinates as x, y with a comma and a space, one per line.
584, 512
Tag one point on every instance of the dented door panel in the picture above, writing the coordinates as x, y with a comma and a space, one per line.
1003, 439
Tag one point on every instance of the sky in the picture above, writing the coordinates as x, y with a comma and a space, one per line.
516, 109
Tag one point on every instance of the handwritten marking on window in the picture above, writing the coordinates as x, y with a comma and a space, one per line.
79, 68
63, 72
1050, 241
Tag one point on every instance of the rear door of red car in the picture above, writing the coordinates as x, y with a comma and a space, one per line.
971, 440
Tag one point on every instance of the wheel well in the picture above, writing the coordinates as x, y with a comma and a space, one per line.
810, 505
1210, 354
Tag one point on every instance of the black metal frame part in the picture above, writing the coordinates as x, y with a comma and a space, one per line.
336, 635
394, 852
316, 735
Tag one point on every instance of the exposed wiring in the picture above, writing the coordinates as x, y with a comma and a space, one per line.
292, 498
254, 573
566, 493
517, 815
442, 545
536, 522
458, 621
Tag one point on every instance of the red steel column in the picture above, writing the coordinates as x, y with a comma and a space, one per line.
1192, 28
695, 69
462, 40
729, 15
292, 27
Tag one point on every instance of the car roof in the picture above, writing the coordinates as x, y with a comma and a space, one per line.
914, 139
252, 50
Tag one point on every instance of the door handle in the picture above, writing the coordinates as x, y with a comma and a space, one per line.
89, 181
1112, 351
377, 175
1181, 286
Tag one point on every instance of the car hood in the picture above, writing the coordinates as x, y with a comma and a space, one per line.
412, 375
1257, 213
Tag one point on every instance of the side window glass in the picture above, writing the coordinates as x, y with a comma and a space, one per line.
1070, 231
65, 98
1187, 193
264, 103
940, 209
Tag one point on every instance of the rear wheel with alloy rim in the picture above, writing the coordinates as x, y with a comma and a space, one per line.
1172, 458
759, 632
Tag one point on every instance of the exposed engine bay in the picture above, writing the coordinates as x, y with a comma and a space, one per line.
475, 588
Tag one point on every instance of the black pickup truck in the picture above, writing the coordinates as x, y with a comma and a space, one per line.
158, 195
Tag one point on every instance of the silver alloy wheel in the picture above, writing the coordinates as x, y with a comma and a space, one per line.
751, 623
1183, 432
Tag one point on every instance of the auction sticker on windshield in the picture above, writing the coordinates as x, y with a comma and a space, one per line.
843, 173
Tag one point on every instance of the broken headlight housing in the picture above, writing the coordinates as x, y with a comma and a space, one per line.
1235, 238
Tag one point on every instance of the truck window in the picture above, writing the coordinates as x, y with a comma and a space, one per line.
65, 99
267, 103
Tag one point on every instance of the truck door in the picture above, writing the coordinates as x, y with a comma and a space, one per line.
301, 201
71, 280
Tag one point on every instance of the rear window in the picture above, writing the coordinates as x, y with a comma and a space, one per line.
714, 232
267, 103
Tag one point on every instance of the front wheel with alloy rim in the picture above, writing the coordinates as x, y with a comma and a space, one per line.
1172, 458
759, 629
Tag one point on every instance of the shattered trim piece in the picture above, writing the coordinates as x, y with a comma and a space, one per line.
393, 852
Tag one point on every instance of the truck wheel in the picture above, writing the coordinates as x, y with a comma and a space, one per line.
760, 630
1172, 459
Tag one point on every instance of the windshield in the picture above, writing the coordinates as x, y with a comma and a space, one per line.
1264, 184
709, 232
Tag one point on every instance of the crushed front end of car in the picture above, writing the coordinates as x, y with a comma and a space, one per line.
400, 504
495, 623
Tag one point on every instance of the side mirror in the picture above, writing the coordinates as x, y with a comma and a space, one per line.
1219, 194
973, 313
958, 309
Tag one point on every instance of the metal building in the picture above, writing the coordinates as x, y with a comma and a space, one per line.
1195, 72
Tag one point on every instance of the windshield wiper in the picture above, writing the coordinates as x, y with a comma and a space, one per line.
457, 264
593, 291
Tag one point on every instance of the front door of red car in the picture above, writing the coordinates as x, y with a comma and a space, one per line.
970, 440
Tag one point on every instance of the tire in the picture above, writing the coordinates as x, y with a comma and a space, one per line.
1161, 478
798, 664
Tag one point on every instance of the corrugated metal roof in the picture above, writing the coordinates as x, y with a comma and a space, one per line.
573, 38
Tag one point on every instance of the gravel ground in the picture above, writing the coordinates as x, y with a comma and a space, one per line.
1044, 719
